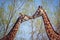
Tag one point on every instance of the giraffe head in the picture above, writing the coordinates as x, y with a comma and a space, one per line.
40, 11
24, 17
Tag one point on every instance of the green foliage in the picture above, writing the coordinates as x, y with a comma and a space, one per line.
1, 11
6, 21
38, 22
30, 0
48, 10
24, 12
27, 5
28, 9
25, 9
10, 7
14, 20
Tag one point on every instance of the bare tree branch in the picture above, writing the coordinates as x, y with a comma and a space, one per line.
9, 20
20, 6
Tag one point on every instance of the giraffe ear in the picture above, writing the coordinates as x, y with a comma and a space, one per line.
40, 7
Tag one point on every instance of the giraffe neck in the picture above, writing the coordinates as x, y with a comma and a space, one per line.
49, 29
12, 33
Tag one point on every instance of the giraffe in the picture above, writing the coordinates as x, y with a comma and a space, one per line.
12, 33
51, 33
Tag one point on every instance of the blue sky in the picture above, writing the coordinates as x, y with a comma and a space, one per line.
37, 3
